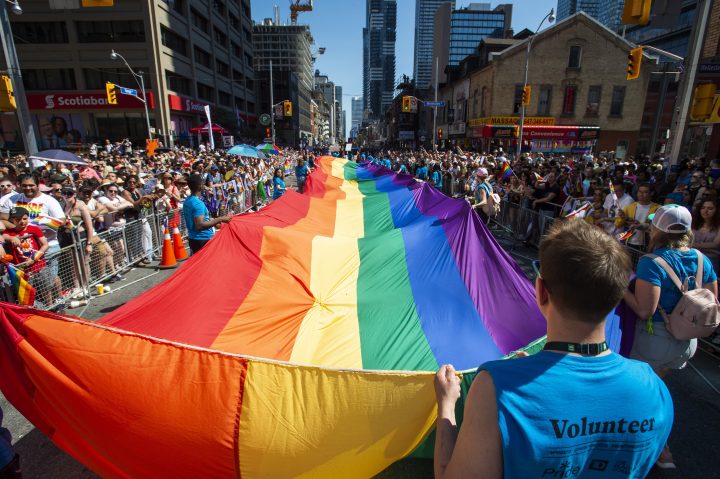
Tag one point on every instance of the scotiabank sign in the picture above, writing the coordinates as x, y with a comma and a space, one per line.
179, 103
83, 100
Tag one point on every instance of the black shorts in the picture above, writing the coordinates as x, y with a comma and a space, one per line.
196, 245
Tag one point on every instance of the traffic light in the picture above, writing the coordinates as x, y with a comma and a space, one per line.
287, 108
406, 101
439, 133
703, 101
97, 3
267, 132
527, 91
636, 12
7, 96
111, 90
634, 62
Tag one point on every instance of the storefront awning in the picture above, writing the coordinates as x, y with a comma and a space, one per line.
537, 132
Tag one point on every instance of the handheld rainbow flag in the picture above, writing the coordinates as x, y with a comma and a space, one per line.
614, 195
53, 223
625, 235
538, 177
24, 291
580, 212
507, 172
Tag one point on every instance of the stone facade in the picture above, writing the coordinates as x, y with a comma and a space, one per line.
602, 65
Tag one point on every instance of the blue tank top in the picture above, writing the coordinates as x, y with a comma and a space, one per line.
563, 416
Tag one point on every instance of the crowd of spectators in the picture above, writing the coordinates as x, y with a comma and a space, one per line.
119, 184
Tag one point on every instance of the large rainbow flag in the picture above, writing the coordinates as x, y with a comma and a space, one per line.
301, 342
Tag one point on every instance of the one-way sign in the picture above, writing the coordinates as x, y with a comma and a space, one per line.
128, 91
434, 104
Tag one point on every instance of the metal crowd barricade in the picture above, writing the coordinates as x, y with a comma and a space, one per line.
72, 273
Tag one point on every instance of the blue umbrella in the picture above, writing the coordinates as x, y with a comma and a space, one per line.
244, 150
59, 156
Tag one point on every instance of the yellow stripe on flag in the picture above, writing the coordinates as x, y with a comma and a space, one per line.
330, 332
302, 413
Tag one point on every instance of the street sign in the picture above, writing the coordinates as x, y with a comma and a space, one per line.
128, 91
264, 119
434, 104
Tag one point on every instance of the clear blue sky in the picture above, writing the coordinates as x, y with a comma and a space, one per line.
337, 25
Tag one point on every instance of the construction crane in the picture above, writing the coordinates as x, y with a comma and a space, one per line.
297, 6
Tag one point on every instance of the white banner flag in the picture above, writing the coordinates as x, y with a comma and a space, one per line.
210, 127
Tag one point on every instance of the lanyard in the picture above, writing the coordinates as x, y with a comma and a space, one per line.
589, 349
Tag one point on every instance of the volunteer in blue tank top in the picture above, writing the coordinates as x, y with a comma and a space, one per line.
575, 409
670, 238
482, 191
197, 217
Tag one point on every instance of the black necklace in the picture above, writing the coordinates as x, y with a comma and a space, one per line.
588, 349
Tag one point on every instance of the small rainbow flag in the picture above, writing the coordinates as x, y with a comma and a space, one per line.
625, 235
507, 172
24, 291
538, 177
580, 212
53, 223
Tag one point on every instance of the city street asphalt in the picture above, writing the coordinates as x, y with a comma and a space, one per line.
695, 392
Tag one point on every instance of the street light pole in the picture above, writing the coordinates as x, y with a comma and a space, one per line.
551, 18
141, 83
23, 112
272, 105
435, 108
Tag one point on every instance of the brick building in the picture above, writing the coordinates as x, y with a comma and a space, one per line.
580, 96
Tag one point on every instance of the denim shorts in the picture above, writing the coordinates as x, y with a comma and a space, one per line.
53, 264
660, 349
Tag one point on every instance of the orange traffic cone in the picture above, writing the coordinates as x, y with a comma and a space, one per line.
178, 245
168, 254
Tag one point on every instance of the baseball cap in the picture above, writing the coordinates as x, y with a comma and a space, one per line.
672, 219
18, 212
482, 172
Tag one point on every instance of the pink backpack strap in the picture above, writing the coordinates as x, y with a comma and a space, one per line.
699, 274
671, 274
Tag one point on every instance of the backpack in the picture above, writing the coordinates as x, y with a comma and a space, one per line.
492, 205
697, 314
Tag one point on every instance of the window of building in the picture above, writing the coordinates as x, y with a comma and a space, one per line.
220, 37
120, 31
248, 35
618, 100
483, 100
50, 79
219, 7
202, 57
517, 100
205, 92
544, 100
222, 68
199, 21
593, 103
96, 78
176, 5
237, 75
248, 60
224, 98
249, 83
569, 100
173, 41
178, 83
575, 57
234, 21
236, 50
40, 32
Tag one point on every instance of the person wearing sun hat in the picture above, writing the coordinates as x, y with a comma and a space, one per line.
670, 239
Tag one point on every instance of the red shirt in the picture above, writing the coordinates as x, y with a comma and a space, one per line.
30, 243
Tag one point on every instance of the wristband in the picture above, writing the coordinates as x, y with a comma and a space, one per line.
38, 255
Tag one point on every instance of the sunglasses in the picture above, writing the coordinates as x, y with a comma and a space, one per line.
112, 191
68, 194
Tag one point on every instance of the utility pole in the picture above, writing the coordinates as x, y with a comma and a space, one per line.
680, 115
11, 59
435, 108
272, 105
659, 110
